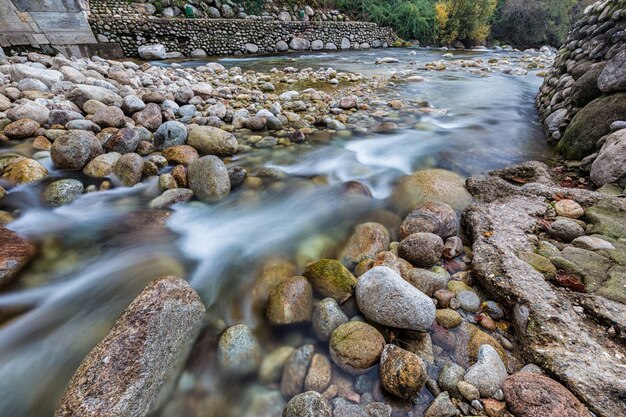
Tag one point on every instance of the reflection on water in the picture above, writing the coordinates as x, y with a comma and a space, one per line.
99, 252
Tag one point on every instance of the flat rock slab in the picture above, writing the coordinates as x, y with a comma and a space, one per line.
15, 253
124, 375
563, 331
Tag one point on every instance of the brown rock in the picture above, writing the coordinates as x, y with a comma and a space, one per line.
20, 129
493, 408
402, 373
150, 117
179, 172
124, 375
15, 253
291, 302
421, 249
319, 375
356, 346
41, 143
569, 208
182, 154
532, 395
24, 171
367, 240
429, 217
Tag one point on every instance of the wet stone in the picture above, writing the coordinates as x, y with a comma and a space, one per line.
149, 342
290, 302
421, 249
356, 346
295, 370
238, 351
327, 317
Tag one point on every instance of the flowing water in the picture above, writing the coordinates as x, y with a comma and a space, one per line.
100, 251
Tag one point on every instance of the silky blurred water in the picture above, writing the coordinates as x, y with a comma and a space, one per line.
99, 252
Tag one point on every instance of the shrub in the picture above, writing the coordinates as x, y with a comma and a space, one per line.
410, 19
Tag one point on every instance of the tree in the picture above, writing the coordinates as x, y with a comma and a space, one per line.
464, 20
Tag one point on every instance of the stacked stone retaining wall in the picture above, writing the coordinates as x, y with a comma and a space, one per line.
117, 21
597, 38
238, 36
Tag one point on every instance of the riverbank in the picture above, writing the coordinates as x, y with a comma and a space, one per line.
124, 173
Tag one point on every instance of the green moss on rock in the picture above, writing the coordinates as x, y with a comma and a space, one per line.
590, 124
331, 279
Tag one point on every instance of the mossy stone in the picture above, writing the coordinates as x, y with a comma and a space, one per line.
590, 124
539, 263
331, 279
606, 220
356, 346
448, 318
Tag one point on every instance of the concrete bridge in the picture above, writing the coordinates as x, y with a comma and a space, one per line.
58, 24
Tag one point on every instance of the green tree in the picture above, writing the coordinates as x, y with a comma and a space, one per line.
464, 20
525, 24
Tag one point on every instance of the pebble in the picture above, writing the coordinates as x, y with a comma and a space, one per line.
295, 370
592, 243
402, 373
327, 317
171, 133
356, 346
442, 406
427, 281
488, 373
468, 391
74, 149
319, 375
62, 192
569, 208
308, 404
290, 302
449, 377
430, 217
448, 318
238, 351
385, 298
366, 241
565, 230
469, 301
331, 279
421, 249
271, 368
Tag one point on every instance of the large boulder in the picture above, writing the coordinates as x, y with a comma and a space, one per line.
47, 76
613, 76
498, 223
610, 165
74, 149
208, 178
435, 185
300, 44
152, 52
590, 124
208, 140
126, 373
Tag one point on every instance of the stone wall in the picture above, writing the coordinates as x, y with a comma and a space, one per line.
38, 23
115, 21
585, 78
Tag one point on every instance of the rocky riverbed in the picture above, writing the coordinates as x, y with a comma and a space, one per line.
329, 271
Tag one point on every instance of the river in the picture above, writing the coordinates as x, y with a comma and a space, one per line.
101, 250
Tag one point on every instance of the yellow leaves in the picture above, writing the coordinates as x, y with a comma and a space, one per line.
441, 13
